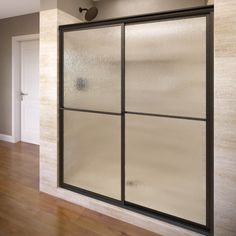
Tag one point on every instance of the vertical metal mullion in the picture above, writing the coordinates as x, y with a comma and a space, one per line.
61, 69
123, 113
210, 124
61, 147
61, 105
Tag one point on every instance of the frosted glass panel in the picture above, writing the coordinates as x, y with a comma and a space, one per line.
166, 165
166, 67
92, 150
92, 69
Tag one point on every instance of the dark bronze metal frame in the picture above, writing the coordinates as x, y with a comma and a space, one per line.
179, 14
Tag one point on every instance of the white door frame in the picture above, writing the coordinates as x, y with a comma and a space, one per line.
16, 77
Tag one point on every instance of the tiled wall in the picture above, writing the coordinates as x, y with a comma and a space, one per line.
225, 118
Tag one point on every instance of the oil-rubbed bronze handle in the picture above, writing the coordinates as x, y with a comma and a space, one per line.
81, 84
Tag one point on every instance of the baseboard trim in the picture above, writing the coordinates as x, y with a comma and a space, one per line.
7, 138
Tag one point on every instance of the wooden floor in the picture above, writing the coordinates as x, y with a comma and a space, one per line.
25, 211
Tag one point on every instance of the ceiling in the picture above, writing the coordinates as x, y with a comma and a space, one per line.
10, 8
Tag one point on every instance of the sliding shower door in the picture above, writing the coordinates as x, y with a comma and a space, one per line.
136, 114
92, 107
165, 120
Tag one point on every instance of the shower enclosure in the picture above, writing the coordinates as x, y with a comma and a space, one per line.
136, 114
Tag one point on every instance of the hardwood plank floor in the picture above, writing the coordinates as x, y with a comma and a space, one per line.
26, 212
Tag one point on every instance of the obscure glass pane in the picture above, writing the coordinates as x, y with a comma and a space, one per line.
92, 69
166, 67
92, 152
166, 165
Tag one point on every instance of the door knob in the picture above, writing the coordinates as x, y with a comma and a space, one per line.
22, 95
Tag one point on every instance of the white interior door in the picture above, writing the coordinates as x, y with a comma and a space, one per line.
30, 91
